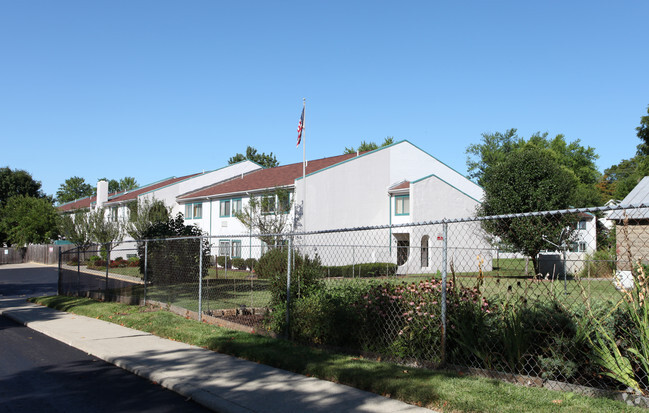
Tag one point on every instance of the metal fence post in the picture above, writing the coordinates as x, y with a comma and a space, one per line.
78, 271
58, 283
288, 284
107, 265
200, 279
444, 274
146, 255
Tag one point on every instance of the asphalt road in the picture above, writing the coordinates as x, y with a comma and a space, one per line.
40, 374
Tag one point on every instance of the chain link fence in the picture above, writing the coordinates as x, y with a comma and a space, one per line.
551, 298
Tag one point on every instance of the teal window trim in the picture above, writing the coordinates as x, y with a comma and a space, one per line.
281, 205
225, 245
401, 199
235, 248
228, 212
198, 210
233, 201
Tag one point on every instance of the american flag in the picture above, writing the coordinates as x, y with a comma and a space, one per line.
300, 128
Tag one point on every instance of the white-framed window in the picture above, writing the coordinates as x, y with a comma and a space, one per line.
236, 206
198, 210
578, 246
402, 205
224, 210
188, 211
581, 224
264, 248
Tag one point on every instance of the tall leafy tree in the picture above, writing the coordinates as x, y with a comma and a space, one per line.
76, 228
125, 184
265, 160
496, 148
72, 189
144, 214
528, 180
170, 260
17, 182
104, 231
643, 134
369, 146
618, 180
29, 220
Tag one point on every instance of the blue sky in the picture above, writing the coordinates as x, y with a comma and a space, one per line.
153, 89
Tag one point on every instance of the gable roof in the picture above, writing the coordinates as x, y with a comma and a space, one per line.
133, 194
83, 202
265, 178
638, 196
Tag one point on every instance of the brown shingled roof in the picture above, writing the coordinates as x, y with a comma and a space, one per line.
133, 194
266, 178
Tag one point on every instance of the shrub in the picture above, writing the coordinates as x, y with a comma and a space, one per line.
239, 263
373, 269
306, 275
224, 261
93, 259
601, 264
327, 317
404, 320
251, 263
134, 262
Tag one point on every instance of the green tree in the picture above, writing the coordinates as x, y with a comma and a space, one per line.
144, 214
125, 184
369, 146
618, 180
267, 161
529, 180
104, 231
643, 134
75, 228
170, 260
267, 215
495, 148
18, 182
72, 189
29, 220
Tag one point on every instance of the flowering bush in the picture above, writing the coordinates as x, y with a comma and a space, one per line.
405, 320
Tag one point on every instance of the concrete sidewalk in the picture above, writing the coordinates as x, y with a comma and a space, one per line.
220, 382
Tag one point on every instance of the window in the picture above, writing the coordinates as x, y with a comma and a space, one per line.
198, 210
578, 247
268, 204
236, 249
402, 205
284, 202
188, 211
113, 214
264, 248
236, 206
225, 208
581, 224
224, 248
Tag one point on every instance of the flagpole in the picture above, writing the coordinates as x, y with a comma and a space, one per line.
304, 166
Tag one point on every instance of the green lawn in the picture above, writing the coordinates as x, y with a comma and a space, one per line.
442, 390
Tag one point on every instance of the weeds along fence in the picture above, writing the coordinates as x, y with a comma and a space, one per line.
553, 298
